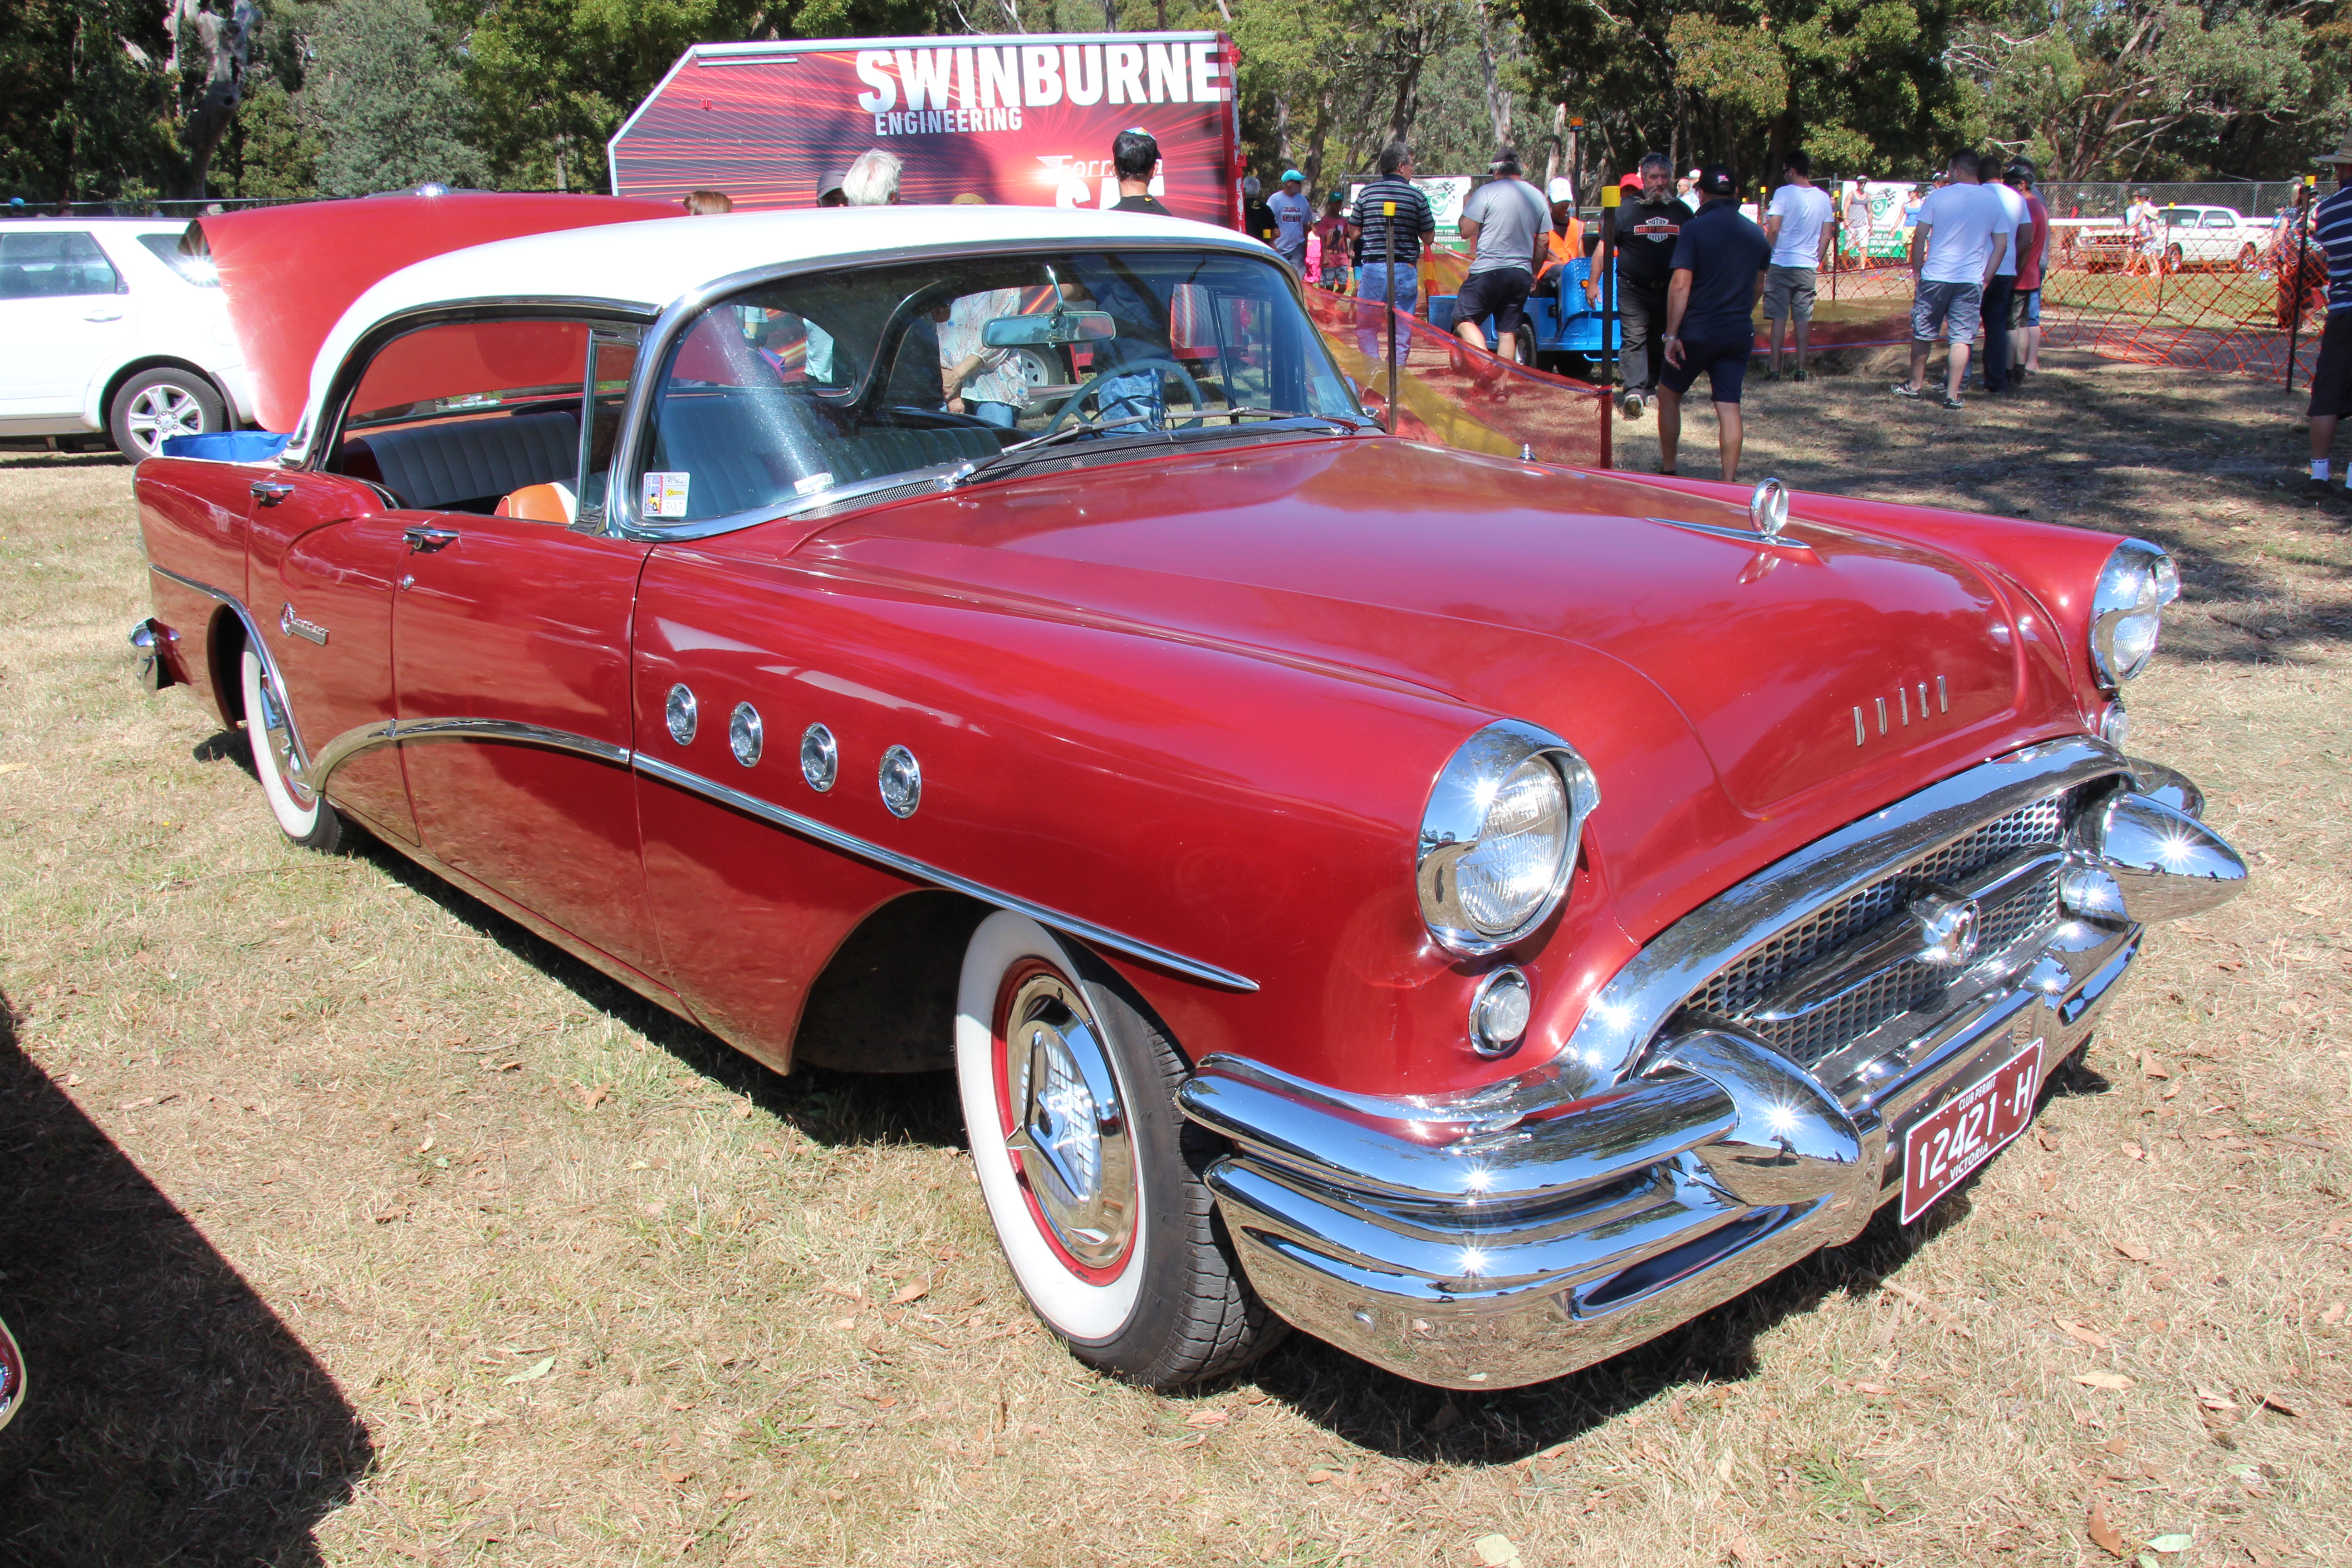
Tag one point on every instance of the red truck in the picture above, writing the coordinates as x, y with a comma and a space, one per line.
1020, 122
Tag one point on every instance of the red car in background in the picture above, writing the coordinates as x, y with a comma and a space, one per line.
1479, 913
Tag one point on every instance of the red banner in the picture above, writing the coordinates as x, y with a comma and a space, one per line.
1024, 121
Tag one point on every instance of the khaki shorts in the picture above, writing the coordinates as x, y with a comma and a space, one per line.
1788, 293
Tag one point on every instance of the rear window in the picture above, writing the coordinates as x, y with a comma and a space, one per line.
55, 265
196, 269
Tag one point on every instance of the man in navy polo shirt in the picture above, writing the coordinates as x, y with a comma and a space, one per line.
1718, 275
2331, 380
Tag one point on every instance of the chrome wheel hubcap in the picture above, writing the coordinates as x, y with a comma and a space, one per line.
1069, 1132
162, 412
278, 735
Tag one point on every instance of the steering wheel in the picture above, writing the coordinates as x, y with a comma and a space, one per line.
1130, 367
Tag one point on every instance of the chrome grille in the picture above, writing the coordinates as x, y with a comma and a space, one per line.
1734, 992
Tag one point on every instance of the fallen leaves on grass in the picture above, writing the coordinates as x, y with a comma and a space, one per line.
1497, 1551
2114, 1380
2152, 1066
2214, 1399
2105, 1534
2281, 1405
912, 1290
590, 1099
532, 1372
2098, 1341
2133, 1250
1207, 1418
13, 767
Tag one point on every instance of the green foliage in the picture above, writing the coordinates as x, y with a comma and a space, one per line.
386, 90
1856, 84
82, 117
2150, 89
272, 151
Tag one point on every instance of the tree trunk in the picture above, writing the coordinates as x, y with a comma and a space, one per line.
1313, 167
227, 43
1282, 129
1498, 103
1558, 141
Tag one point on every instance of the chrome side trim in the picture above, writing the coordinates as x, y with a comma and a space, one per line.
298, 762
922, 871
1726, 530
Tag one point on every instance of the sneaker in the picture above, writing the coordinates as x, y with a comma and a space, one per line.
1630, 404
1770, 373
1905, 389
1951, 402
1800, 375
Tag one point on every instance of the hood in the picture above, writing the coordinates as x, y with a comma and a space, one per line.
1556, 598
288, 273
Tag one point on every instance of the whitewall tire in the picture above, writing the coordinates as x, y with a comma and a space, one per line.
1090, 1175
302, 816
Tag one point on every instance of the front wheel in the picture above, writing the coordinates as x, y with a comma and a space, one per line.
301, 814
1091, 1176
2174, 262
2250, 258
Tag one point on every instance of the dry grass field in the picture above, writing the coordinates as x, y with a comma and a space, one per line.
344, 1223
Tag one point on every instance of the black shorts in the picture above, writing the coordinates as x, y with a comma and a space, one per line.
1502, 294
1724, 360
2331, 382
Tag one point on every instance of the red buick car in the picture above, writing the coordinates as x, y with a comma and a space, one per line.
1481, 913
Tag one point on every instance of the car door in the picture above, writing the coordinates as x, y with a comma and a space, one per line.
510, 626
2220, 237
63, 317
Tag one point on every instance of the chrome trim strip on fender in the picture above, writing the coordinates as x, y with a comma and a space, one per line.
921, 871
298, 763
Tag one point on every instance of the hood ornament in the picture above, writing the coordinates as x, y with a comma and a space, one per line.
1767, 508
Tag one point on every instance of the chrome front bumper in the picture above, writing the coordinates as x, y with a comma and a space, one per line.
1549, 1222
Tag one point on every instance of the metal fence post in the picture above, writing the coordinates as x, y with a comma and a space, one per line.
2301, 251
1388, 229
1613, 195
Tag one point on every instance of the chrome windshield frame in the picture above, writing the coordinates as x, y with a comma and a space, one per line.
621, 519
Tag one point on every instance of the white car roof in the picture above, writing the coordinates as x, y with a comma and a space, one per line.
649, 265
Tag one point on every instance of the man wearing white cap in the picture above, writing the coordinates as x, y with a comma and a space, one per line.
1503, 222
1292, 213
1563, 244
1687, 188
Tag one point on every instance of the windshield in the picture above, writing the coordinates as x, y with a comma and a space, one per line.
791, 391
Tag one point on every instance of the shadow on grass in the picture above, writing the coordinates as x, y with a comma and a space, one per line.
109, 459
1410, 1421
170, 1416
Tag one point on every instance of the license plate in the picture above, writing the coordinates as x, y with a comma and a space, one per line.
1940, 1150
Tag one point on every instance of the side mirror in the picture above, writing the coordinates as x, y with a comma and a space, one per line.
1054, 330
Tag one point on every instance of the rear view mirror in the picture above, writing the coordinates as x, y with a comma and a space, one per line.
1053, 330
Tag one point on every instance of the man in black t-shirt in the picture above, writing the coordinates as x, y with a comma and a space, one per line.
1647, 228
1718, 275
1135, 158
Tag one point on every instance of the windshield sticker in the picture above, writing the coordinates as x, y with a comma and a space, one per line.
814, 483
665, 494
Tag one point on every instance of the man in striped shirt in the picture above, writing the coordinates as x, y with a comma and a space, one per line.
2331, 381
1380, 284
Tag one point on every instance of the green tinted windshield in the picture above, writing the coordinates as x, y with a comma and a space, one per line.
792, 392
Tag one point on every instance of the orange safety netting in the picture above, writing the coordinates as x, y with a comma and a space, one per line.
1457, 395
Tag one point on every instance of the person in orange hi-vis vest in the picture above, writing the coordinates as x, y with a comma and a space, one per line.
1564, 241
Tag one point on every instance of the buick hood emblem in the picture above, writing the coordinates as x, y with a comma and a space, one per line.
1948, 929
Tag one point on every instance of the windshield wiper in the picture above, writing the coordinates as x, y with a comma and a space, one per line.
964, 473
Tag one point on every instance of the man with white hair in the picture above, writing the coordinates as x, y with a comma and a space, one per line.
872, 180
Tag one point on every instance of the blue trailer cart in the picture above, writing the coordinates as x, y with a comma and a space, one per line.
1566, 335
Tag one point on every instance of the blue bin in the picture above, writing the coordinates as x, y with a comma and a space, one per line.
228, 445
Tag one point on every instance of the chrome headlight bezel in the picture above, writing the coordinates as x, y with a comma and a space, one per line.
2138, 581
1454, 820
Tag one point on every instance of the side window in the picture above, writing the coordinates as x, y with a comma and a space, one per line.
2220, 220
53, 266
477, 416
196, 269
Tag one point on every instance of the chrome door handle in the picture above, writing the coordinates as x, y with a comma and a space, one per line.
424, 538
269, 492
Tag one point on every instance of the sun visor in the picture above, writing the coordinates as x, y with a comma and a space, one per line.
289, 272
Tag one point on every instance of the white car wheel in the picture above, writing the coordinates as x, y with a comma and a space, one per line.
1090, 1174
302, 816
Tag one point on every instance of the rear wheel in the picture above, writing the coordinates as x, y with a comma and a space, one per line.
2173, 260
2250, 258
156, 405
301, 814
1091, 1176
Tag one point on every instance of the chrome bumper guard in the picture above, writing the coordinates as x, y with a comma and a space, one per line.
1542, 1224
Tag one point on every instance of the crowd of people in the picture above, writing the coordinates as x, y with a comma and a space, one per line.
1691, 267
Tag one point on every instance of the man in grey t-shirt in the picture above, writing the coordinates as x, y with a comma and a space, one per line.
1503, 222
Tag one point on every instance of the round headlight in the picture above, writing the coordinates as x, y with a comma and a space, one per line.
1499, 835
2126, 611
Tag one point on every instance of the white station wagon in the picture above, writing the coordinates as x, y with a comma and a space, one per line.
2192, 237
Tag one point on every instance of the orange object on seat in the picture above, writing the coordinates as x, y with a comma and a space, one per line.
539, 503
